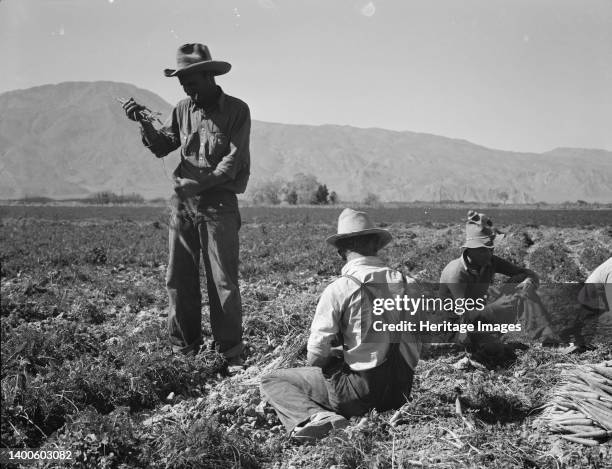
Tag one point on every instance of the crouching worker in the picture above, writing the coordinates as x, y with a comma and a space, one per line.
471, 276
362, 374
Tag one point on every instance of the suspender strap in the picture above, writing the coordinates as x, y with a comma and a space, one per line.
394, 346
361, 285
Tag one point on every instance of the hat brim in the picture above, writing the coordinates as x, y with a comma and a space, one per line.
483, 242
215, 66
383, 235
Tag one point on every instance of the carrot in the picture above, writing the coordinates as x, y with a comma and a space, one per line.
604, 387
603, 405
583, 395
603, 371
589, 379
582, 441
578, 382
601, 386
602, 409
593, 374
606, 401
595, 413
573, 421
577, 428
593, 434
572, 414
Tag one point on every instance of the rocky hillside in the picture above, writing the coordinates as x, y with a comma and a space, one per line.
72, 139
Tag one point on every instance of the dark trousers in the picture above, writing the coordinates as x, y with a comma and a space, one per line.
208, 226
298, 393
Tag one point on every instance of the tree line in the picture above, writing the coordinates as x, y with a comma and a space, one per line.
301, 189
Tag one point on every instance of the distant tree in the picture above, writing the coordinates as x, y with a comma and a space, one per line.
503, 196
292, 197
132, 198
306, 186
103, 197
371, 200
157, 200
267, 192
321, 196
301, 189
108, 197
333, 198
35, 199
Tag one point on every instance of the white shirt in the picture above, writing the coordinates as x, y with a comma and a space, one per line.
598, 287
340, 309
602, 274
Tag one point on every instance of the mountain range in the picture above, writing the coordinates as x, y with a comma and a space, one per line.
73, 139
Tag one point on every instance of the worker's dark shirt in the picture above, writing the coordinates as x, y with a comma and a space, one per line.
211, 141
460, 280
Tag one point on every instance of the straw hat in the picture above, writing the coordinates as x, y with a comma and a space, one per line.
194, 58
352, 223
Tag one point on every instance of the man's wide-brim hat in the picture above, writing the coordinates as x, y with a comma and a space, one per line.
480, 232
352, 223
196, 58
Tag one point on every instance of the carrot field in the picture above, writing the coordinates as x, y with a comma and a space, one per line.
86, 365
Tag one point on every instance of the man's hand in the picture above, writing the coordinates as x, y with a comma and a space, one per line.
186, 188
337, 352
526, 287
132, 110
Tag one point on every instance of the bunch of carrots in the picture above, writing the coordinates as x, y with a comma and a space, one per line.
152, 116
582, 407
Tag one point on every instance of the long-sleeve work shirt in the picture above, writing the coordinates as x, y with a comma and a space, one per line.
211, 141
344, 314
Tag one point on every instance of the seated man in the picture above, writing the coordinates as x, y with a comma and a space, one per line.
363, 374
471, 275
596, 294
594, 299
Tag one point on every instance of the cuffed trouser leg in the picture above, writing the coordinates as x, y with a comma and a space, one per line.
296, 394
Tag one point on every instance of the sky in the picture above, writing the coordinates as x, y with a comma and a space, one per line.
522, 75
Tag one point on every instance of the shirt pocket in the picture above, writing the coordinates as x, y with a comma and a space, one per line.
191, 144
218, 145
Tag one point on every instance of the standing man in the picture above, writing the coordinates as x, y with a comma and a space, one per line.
212, 130
471, 275
352, 369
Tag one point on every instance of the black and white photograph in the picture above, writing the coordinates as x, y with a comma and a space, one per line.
294, 234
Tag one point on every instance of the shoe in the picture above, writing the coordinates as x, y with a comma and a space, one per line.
189, 350
577, 349
235, 364
319, 425
467, 363
549, 338
553, 342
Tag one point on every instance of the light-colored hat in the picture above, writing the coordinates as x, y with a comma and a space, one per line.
480, 232
194, 58
353, 223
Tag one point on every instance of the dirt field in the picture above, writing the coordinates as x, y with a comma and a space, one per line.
86, 366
